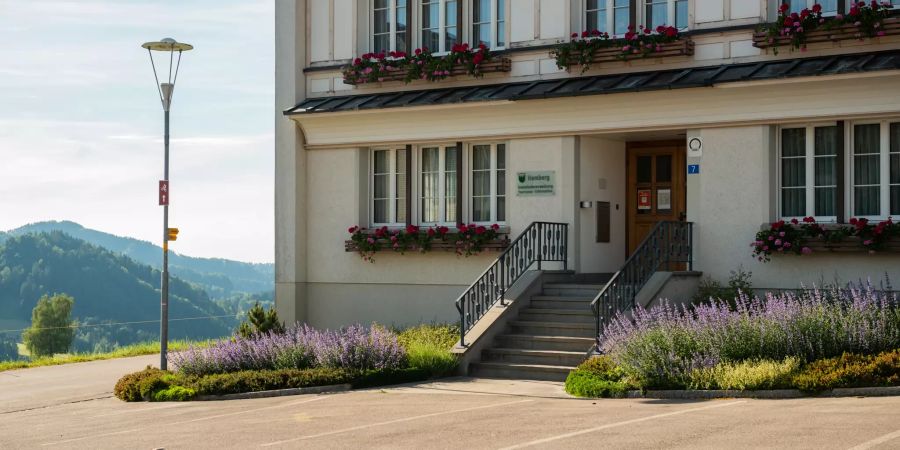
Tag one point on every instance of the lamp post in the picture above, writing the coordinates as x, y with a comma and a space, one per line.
166, 89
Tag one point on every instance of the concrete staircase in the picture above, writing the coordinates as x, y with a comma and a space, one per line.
549, 337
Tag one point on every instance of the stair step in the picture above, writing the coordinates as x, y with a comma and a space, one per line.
571, 329
542, 342
557, 302
571, 289
574, 286
520, 371
557, 315
564, 298
530, 356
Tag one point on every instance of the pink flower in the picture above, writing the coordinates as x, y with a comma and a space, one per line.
806, 250
778, 242
370, 240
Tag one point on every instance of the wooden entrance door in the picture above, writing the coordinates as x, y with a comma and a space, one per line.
656, 187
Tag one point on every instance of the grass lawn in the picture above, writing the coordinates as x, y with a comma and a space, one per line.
145, 348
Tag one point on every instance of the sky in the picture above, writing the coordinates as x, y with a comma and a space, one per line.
81, 123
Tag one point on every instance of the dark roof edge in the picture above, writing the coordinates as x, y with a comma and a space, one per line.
619, 83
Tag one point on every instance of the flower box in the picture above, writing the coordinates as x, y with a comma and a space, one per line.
851, 244
464, 240
809, 237
422, 64
493, 66
890, 27
498, 244
680, 47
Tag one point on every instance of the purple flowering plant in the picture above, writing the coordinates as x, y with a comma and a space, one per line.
353, 348
662, 346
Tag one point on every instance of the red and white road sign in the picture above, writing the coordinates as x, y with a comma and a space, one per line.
163, 192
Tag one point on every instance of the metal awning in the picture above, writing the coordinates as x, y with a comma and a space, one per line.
609, 84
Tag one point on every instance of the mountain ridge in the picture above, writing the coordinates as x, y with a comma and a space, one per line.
219, 277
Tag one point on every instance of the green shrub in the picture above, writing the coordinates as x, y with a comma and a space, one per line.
434, 359
602, 367
265, 380
129, 388
375, 378
442, 336
597, 376
738, 282
428, 348
174, 394
850, 370
260, 321
581, 383
746, 375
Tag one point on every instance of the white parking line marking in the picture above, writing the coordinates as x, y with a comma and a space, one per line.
618, 424
389, 422
117, 413
218, 416
877, 441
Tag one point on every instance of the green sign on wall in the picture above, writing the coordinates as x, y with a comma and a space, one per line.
531, 184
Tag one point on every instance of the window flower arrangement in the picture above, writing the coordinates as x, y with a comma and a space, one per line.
582, 48
794, 236
466, 240
864, 19
421, 65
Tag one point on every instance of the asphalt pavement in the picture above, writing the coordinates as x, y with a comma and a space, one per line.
72, 406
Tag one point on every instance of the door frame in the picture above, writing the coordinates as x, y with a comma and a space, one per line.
679, 178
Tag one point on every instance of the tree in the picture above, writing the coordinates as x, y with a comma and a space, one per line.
51, 326
260, 321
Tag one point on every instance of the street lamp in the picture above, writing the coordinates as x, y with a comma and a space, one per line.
170, 46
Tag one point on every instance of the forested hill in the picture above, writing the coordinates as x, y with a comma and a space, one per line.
107, 287
220, 278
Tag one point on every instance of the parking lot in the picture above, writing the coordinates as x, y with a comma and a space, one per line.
452, 413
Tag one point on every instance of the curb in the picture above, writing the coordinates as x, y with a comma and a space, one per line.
276, 393
767, 394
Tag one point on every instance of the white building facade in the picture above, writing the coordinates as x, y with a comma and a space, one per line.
722, 133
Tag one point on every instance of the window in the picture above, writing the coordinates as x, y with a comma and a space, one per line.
661, 12
808, 166
438, 187
875, 181
829, 7
488, 183
489, 23
389, 26
389, 187
608, 16
440, 24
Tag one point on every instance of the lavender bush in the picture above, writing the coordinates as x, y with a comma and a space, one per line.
299, 347
662, 346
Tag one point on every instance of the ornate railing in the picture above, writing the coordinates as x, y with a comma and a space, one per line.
669, 246
540, 242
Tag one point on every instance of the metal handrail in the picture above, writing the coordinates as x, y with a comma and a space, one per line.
667, 243
539, 242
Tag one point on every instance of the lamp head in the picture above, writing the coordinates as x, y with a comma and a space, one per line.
167, 45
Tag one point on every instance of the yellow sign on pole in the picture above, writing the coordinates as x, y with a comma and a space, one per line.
172, 234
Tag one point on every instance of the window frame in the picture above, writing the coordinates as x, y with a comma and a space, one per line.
444, 46
392, 8
809, 171
884, 169
610, 16
470, 26
442, 187
775, 4
469, 180
671, 13
393, 185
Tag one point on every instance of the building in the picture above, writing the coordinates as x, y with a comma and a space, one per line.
711, 128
